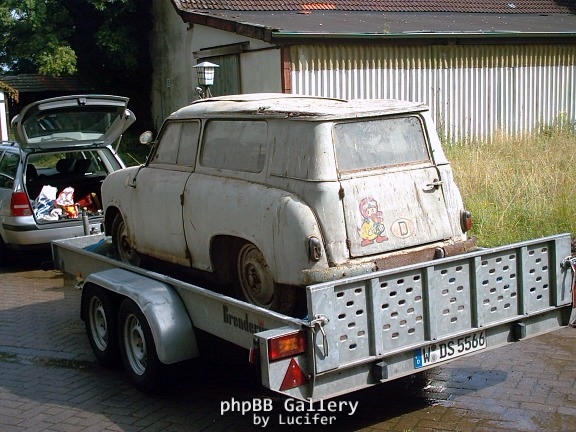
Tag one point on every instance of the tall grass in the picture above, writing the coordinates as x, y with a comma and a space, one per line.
519, 188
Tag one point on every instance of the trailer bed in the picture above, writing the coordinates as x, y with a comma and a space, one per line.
374, 328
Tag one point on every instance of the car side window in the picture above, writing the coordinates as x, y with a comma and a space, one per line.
178, 144
167, 151
8, 167
238, 145
188, 143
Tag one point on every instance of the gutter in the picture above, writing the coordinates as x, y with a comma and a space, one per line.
568, 37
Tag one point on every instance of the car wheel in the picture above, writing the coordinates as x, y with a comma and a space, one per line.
121, 242
100, 315
256, 284
137, 347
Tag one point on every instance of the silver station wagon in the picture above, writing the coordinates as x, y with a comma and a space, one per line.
273, 192
50, 176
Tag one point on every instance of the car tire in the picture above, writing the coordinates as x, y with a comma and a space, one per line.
137, 348
100, 318
121, 242
255, 283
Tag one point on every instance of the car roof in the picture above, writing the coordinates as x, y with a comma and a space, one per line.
294, 106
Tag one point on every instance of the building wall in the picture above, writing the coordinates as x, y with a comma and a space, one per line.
473, 90
171, 62
259, 62
175, 49
3, 116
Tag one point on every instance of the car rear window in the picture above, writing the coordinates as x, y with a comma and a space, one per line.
378, 143
71, 124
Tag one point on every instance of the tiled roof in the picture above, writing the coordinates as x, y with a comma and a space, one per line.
278, 21
454, 6
39, 83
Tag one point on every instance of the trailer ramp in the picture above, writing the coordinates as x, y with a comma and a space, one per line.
400, 321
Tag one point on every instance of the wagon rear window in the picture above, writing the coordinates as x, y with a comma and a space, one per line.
379, 143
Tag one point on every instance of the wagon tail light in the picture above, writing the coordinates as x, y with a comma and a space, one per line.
465, 220
19, 204
314, 248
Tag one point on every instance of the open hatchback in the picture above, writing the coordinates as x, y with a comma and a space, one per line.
52, 174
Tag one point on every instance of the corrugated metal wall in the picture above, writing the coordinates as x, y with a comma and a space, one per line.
473, 90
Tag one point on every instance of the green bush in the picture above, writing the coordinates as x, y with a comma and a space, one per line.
131, 150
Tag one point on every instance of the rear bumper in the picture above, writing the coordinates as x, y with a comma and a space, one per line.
389, 261
23, 236
427, 254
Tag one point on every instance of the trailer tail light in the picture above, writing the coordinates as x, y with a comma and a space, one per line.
19, 204
287, 345
465, 220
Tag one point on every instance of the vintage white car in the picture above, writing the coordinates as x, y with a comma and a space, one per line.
273, 192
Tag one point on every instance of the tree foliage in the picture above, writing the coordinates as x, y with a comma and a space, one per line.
57, 37
103, 41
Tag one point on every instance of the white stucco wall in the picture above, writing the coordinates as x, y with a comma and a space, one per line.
3, 116
172, 47
261, 71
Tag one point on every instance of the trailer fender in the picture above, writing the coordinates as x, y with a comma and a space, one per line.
169, 321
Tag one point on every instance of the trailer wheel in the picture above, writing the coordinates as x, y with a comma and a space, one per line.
256, 284
137, 347
100, 321
121, 242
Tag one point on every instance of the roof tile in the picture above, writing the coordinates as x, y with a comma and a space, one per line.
37, 83
479, 6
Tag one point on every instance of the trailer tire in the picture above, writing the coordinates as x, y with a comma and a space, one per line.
100, 316
137, 347
255, 283
121, 243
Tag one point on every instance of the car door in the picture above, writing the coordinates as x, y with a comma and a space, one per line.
155, 212
224, 196
392, 192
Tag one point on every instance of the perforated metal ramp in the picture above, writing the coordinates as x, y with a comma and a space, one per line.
400, 309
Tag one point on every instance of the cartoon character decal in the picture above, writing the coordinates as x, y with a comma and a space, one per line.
372, 229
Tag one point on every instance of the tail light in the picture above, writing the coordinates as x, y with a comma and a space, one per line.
314, 247
287, 346
466, 220
19, 204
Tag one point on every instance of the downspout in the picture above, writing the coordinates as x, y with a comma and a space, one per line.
286, 68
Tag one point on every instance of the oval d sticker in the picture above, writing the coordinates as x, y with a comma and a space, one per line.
402, 228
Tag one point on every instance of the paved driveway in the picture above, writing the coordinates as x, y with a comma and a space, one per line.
49, 381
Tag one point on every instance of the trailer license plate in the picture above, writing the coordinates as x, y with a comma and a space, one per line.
447, 350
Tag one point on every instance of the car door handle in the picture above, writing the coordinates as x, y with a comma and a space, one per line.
432, 185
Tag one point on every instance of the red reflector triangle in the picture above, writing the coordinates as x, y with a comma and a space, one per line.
294, 376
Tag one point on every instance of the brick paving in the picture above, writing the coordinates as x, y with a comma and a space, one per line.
49, 381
